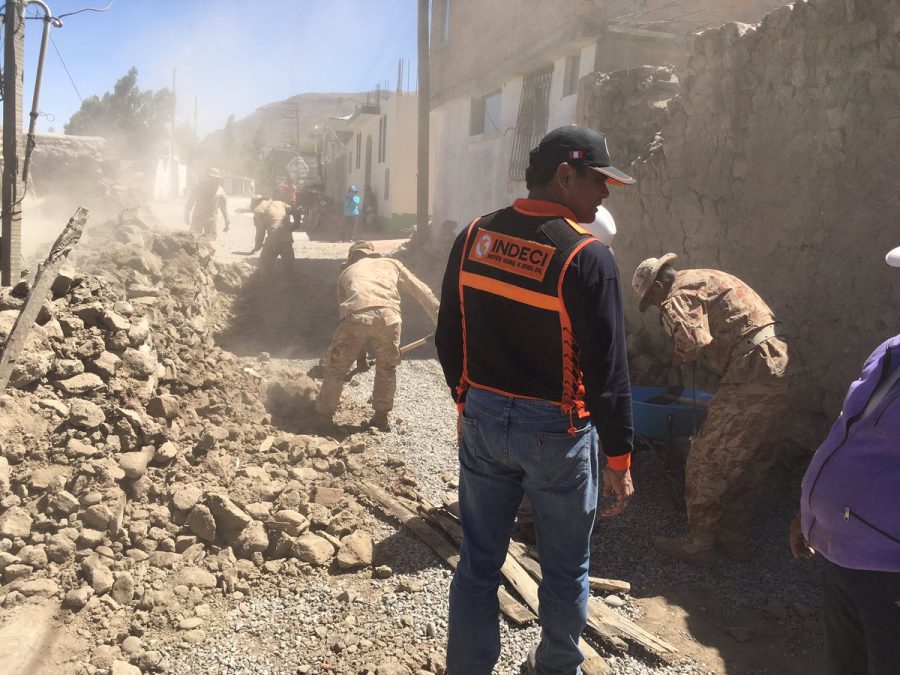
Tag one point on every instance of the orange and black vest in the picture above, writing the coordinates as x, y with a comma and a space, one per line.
517, 337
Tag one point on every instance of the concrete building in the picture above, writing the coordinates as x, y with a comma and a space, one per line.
375, 148
505, 73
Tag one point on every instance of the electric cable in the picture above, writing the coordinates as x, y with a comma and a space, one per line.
87, 9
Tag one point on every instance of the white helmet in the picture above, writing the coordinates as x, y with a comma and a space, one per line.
893, 257
603, 227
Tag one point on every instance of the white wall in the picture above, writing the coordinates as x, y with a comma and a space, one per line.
470, 174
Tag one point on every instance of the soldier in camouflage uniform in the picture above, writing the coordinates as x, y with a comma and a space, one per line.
273, 230
715, 317
369, 299
203, 204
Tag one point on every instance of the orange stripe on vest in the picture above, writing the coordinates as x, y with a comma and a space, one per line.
510, 292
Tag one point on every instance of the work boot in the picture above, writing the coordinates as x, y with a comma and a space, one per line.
736, 549
689, 549
380, 421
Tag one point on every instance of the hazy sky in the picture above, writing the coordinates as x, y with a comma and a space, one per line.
233, 56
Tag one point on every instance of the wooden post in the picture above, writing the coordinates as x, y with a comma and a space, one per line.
43, 280
12, 189
424, 113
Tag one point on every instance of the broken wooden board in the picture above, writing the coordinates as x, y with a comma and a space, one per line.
516, 575
609, 585
511, 608
43, 280
605, 622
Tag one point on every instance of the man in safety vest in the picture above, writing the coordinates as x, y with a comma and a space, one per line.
531, 339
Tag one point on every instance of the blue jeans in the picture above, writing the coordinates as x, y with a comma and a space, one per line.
509, 447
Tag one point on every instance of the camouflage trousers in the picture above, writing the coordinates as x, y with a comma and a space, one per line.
279, 243
201, 226
729, 458
380, 329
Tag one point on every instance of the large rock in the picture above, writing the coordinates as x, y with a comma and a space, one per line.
61, 549
123, 589
313, 549
186, 497
76, 449
77, 598
140, 363
356, 551
194, 576
252, 539
15, 522
97, 574
85, 415
80, 384
139, 333
105, 365
165, 406
134, 464
230, 520
124, 668
113, 321
63, 282
200, 521
290, 522
42, 587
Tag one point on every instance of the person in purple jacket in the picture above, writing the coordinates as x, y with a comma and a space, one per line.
850, 514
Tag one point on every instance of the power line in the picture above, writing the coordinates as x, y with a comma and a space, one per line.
65, 68
87, 9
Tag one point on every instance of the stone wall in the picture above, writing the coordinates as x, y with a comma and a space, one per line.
779, 162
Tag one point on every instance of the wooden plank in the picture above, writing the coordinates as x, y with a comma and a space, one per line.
511, 608
611, 627
43, 280
609, 585
519, 578
525, 586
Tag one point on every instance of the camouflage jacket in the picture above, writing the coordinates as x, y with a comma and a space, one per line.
709, 313
376, 283
272, 215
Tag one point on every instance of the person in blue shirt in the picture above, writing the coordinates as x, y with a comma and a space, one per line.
351, 214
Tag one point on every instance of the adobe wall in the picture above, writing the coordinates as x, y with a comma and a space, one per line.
779, 162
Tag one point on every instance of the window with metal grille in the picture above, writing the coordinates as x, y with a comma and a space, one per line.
570, 81
531, 124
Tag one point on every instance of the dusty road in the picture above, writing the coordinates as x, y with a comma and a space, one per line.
279, 616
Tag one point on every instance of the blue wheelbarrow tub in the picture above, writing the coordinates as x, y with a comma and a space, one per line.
651, 421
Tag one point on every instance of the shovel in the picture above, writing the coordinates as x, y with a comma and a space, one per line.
403, 350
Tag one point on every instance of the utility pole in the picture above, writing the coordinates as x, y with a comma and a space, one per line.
424, 113
13, 190
173, 169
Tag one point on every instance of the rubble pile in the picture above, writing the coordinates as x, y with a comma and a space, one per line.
139, 467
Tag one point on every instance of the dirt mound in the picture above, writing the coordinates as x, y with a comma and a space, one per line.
139, 467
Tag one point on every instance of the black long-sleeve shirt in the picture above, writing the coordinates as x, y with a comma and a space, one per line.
592, 297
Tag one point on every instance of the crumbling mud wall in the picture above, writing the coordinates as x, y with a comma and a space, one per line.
778, 162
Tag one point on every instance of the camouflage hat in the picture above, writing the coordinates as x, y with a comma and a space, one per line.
362, 247
893, 257
645, 275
